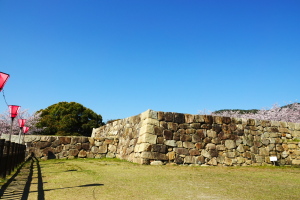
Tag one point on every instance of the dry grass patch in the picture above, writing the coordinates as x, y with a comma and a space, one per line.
114, 179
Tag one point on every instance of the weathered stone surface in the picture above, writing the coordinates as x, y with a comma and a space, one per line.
73, 152
240, 148
147, 129
171, 143
188, 145
154, 156
171, 155
142, 147
189, 159
160, 140
205, 153
179, 118
147, 137
210, 146
82, 154
160, 116
150, 121
295, 162
95, 149
85, 146
158, 130
103, 149
194, 152
228, 161
112, 148
168, 135
90, 155
199, 145
110, 155
211, 133
196, 138
159, 148
189, 118
55, 143
65, 140
181, 151
213, 162
169, 117
230, 144
156, 163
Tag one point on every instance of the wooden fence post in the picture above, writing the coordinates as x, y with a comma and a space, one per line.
2, 163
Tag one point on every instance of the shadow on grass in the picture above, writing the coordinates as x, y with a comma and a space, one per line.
11, 179
16, 190
87, 185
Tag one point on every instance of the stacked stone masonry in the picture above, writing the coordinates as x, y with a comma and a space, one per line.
168, 137
203, 139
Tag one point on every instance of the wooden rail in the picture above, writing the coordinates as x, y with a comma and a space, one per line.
11, 155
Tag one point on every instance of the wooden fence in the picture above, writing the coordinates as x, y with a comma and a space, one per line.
11, 155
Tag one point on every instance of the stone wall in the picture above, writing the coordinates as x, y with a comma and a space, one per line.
203, 140
164, 137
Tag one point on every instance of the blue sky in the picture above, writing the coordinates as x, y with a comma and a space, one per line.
120, 58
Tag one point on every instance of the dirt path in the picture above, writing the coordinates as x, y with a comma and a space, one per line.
26, 183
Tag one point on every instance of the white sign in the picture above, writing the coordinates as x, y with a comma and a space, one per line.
273, 158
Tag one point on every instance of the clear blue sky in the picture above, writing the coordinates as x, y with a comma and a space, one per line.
120, 58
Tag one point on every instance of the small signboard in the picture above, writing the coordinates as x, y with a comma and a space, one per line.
273, 158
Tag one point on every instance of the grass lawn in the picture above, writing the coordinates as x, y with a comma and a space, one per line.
115, 179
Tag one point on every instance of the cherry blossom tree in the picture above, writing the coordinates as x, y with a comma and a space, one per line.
31, 121
288, 113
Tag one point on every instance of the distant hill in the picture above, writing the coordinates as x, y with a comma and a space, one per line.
249, 111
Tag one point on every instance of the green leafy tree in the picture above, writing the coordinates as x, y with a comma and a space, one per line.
68, 118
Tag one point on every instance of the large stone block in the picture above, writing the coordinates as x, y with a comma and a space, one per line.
94, 149
73, 152
230, 144
65, 140
211, 133
147, 129
189, 118
147, 138
150, 121
295, 162
189, 159
179, 118
159, 148
171, 155
171, 143
199, 118
103, 149
181, 151
142, 147
196, 138
210, 146
169, 117
149, 114
188, 145
240, 148
168, 135
194, 152
217, 120
112, 148
160, 116
206, 154
154, 156
82, 154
